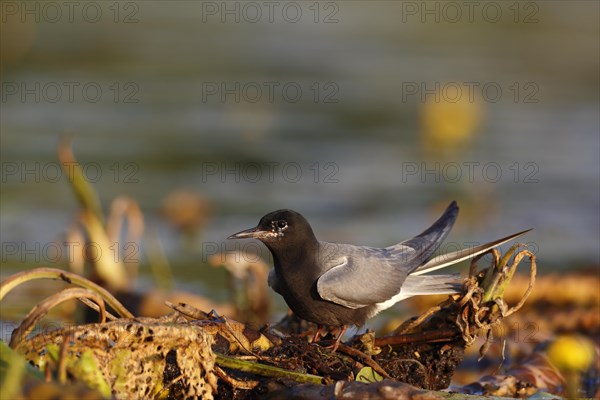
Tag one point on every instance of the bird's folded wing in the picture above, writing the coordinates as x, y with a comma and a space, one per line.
359, 282
363, 276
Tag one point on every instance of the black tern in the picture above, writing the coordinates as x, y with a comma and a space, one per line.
341, 284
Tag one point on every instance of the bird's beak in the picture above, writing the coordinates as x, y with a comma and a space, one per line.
249, 233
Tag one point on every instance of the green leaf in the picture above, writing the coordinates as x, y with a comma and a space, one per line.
368, 375
86, 369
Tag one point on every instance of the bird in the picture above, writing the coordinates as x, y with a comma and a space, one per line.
335, 284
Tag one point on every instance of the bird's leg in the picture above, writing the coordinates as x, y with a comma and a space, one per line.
317, 334
339, 339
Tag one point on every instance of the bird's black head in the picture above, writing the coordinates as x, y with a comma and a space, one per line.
279, 229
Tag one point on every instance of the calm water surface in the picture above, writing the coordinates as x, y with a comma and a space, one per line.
319, 117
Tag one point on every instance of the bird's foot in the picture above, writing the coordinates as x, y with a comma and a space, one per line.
338, 340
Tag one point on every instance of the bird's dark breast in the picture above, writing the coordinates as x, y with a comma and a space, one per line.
303, 299
297, 273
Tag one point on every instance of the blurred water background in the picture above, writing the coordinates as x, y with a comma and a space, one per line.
367, 117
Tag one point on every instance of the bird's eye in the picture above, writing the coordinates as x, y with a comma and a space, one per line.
281, 224
278, 226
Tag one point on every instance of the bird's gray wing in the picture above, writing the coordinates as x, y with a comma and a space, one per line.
361, 280
361, 276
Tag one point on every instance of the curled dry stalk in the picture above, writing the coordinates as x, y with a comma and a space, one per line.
52, 273
43, 307
235, 383
480, 308
483, 307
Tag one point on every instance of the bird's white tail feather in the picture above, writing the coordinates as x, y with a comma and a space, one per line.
446, 260
423, 285
431, 284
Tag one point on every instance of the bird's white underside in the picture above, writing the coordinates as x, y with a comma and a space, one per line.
419, 286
